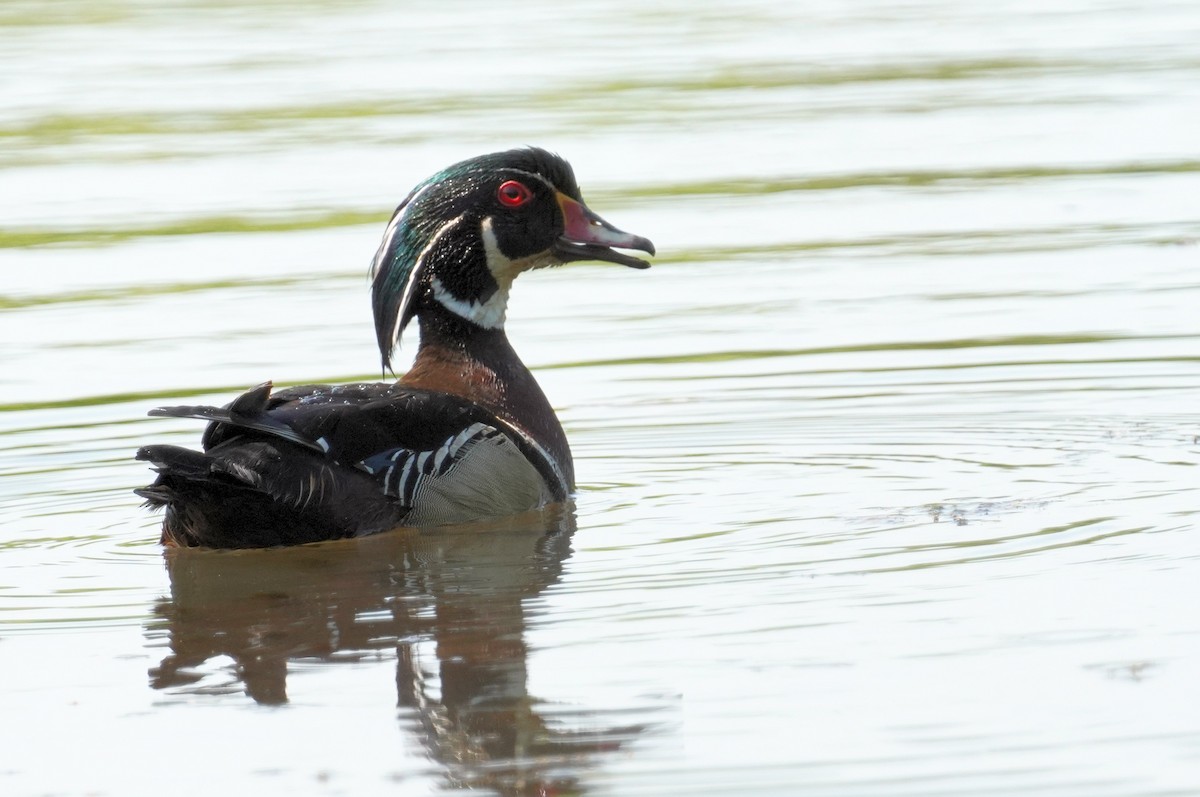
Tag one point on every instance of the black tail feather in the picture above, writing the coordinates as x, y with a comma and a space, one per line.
176, 460
207, 505
156, 495
248, 411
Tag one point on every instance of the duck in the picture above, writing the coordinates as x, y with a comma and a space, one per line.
465, 434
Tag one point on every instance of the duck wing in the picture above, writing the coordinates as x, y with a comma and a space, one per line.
320, 462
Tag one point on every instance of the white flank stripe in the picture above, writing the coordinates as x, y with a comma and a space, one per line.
402, 487
462, 438
440, 457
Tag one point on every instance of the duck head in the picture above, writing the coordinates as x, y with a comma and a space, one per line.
462, 236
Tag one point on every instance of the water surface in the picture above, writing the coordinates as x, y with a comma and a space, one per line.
887, 468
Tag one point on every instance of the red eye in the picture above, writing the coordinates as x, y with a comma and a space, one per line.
513, 194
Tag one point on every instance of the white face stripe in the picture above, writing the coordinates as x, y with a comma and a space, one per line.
415, 275
502, 269
490, 314
537, 176
392, 227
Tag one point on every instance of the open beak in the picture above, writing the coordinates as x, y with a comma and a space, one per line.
586, 236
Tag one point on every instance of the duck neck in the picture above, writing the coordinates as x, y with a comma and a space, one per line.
460, 357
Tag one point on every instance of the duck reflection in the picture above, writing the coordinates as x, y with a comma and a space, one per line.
463, 591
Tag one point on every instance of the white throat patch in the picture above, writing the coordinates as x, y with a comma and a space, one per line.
491, 314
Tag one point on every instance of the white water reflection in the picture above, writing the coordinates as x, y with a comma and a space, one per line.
887, 468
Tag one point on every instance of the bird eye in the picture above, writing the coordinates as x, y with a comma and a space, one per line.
513, 194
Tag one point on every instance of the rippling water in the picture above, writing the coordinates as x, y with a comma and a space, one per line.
888, 468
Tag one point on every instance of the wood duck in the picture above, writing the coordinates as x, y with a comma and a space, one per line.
466, 433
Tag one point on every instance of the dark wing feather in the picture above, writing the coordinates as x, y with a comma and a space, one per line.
248, 411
